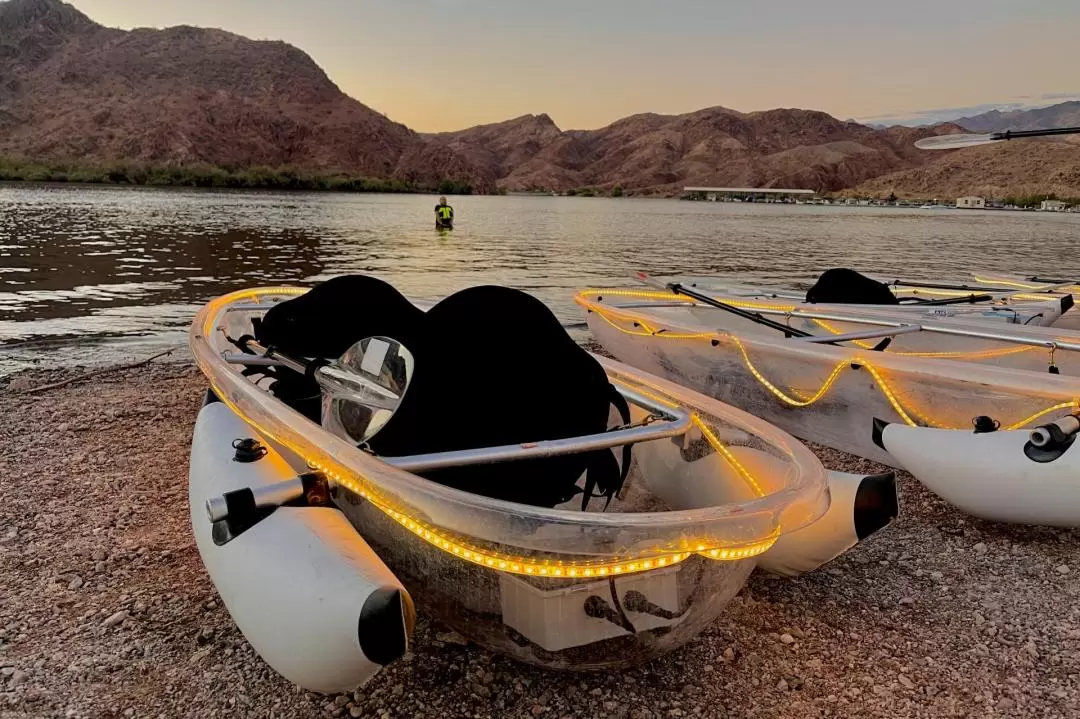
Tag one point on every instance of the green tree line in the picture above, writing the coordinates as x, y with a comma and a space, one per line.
274, 178
1036, 200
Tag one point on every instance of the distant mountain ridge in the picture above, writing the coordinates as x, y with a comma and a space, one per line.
712, 147
1063, 114
73, 90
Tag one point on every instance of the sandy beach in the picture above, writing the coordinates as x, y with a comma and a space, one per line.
106, 610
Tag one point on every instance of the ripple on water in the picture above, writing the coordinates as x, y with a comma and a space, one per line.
99, 272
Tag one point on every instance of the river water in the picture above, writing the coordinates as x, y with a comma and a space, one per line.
93, 275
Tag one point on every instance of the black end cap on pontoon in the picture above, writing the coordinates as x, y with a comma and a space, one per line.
210, 398
386, 621
879, 427
1066, 303
876, 503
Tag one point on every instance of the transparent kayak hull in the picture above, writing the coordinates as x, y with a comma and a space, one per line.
558, 587
831, 394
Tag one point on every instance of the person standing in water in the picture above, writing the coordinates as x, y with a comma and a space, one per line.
444, 215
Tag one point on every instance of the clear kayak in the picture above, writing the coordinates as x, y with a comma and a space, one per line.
830, 375
711, 492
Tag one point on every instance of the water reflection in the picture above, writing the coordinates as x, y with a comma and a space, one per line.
95, 274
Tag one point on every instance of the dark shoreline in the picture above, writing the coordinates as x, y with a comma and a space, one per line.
121, 174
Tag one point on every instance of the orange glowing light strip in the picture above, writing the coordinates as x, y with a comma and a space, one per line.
353, 481
1073, 289
710, 436
905, 413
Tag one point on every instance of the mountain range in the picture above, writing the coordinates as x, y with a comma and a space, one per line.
1063, 114
74, 91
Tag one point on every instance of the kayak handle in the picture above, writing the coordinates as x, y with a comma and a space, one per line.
1057, 432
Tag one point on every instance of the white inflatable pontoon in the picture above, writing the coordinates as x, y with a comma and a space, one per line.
309, 594
1005, 476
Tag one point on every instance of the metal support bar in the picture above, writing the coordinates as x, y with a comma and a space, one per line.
251, 360
863, 335
933, 329
674, 422
538, 450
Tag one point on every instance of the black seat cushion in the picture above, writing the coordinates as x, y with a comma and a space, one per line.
493, 366
336, 314
842, 285
496, 368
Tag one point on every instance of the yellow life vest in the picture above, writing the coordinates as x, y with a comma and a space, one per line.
446, 212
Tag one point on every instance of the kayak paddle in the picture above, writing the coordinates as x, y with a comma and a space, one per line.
952, 142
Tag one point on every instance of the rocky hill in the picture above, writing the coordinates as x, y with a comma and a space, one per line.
74, 91
1063, 114
71, 89
714, 147
1018, 167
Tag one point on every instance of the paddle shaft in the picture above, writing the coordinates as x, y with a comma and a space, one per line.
738, 311
1010, 134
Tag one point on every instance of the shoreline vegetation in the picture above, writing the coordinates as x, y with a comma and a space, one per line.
212, 176
291, 178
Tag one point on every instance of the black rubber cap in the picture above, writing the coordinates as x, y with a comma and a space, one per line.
879, 427
210, 398
1066, 303
386, 621
876, 503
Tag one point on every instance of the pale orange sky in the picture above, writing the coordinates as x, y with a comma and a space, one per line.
442, 65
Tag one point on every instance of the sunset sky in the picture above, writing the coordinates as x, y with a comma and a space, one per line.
443, 65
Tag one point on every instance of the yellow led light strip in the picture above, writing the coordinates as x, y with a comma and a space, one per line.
1026, 285
905, 413
724, 452
487, 558
1075, 404
710, 436
496, 560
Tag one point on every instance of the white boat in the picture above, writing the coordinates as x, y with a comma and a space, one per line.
996, 475
825, 377
710, 493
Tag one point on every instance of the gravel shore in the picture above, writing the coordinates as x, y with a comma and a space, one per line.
106, 611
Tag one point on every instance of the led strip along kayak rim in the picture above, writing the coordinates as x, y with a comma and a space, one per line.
832, 393
480, 531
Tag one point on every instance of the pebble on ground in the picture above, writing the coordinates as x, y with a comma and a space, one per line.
106, 610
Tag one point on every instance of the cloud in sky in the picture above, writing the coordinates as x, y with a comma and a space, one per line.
945, 114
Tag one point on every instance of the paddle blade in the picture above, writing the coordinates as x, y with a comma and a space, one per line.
951, 142
363, 389
646, 278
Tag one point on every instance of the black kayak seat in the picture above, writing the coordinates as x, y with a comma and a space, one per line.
845, 286
493, 366
327, 320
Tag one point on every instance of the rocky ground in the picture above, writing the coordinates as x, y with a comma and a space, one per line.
106, 611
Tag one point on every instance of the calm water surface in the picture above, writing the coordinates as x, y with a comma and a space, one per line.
90, 275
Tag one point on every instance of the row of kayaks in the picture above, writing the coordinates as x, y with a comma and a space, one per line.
361, 455
951, 398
